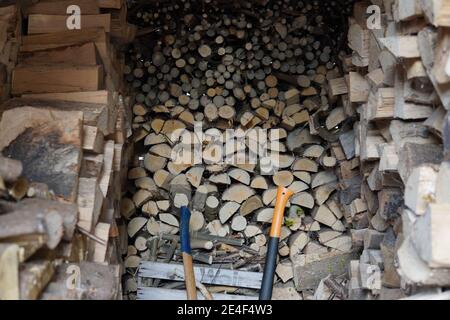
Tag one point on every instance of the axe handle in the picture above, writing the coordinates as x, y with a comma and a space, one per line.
189, 276
283, 195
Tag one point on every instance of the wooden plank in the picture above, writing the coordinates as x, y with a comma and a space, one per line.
75, 37
402, 46
170, 294
98, 97
59, 7
110, 4
34, 276
205, 275
9, 275
62, 39
94, 114
56, 79
90, 200
43, 23
83, 55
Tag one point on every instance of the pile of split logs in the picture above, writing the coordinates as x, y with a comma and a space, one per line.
397, 82
238, 65
64, 153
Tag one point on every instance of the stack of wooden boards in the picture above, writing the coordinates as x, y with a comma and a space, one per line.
10, 24
64, 155
397, 82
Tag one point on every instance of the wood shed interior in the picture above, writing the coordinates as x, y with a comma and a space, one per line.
115, 113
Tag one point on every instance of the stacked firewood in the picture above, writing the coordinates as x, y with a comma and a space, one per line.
64, 155
396, 80
212, 73
9, 43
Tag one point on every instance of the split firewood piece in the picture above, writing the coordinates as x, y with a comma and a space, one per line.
194, 176
169, 219
154, 163
342, 243
264, 215
136, 173
142, 196
269, 196
240, 175
281, 161
135, 225
177, 168
163, 178
297, 242
402, 46
251, 205
150, 208
322, 193
173, 129
314, 151
221, 178
305, 165
161, 150
227, 210
420, 188
252, 230
324, 215
217, 229
179, 185
298, 186
335, 118
153, 227
259, 182
300, 137
10, 169
238, 193
163, 205
283, 178
199, 200
303, 199
326, 234
197, 221
146, 183
303, 176
127, 208
323, 177
157, 125
93, 139
238, 223
154, 138
338, 86
212, 208
309, 225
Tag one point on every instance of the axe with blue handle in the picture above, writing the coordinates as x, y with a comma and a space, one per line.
189, 276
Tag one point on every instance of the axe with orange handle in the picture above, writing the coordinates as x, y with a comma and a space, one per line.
283, 195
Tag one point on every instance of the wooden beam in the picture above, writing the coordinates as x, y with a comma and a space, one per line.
170, 294
205, 275
44, 23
